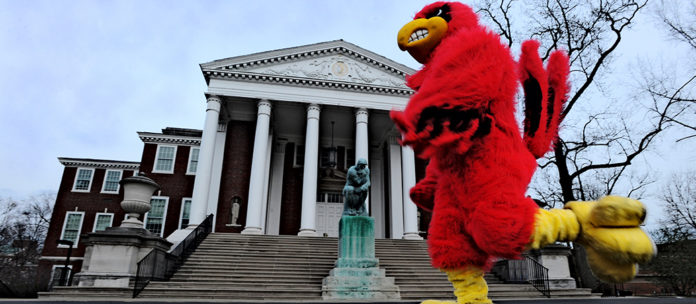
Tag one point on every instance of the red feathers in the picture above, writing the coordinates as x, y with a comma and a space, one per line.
462, 118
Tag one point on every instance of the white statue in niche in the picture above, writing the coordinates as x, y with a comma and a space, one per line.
234, 212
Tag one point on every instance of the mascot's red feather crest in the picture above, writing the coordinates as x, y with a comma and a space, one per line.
461, 118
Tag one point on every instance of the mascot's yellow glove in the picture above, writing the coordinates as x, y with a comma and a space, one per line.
612, 237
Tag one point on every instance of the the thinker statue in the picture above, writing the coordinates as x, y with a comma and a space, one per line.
356, 189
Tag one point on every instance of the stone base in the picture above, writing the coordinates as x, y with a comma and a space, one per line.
555, 258
412, 236
111, 256
307, 232
567, 283
117, 280
179, 235
359, 283
252, 230
357, 274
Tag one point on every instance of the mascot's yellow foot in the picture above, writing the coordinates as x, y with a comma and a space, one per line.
469, 287
612, 237
608, 230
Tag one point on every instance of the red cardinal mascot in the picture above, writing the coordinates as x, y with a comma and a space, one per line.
462, 120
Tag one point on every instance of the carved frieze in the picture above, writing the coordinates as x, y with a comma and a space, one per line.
334, 68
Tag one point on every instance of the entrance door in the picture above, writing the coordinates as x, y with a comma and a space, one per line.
328, 215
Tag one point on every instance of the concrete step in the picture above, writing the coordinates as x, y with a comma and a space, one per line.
243, 267
62, 292
244, 286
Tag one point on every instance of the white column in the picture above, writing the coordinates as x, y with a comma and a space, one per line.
376, 192
216, 175
201, 184
276, 191
408, 171
266, 183
258, 166
309, 181
396, 212
362, 144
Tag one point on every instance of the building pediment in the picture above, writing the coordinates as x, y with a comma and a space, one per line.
336, 64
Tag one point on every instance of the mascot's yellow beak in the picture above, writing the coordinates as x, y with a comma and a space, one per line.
419, 37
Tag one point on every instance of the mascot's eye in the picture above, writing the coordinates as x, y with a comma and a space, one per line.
443, 12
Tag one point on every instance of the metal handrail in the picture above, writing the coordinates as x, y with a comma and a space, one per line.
159, 265
539, 276
527, 270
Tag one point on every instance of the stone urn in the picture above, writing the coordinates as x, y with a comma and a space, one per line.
137, 193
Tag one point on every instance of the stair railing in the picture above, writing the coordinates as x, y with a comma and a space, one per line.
527, 270
159, 265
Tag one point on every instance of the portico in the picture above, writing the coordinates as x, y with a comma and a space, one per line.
312, 110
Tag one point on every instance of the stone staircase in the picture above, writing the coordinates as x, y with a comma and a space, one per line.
235, 267
243, 267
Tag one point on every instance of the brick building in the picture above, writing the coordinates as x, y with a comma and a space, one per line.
281, 128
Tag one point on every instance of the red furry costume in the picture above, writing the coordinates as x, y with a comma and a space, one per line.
462, 118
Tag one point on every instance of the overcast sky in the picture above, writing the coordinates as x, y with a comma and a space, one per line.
80, 78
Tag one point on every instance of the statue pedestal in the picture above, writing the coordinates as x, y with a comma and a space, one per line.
357, 274
555, 258
112, 255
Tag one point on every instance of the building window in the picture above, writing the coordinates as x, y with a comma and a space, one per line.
329, 197
299, 156
83, 180
193, 161
103, 221
72, 227
154, 219
164, 160
185, 213
57, 272
111, 179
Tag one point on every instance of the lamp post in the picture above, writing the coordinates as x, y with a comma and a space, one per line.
64, 271
332, 149
137, 193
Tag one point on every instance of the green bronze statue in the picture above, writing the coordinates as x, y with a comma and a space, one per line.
356, 189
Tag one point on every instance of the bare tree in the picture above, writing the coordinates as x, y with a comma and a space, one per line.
598, 143
23, 228
679, 201
677, 236
678, 90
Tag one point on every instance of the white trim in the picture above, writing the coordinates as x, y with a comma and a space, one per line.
164, 215
181, 212
106, 174
60, 258
91, 179
157, 138
65, 223
96, 217
305, 95
154, 165
188, 164
98, 163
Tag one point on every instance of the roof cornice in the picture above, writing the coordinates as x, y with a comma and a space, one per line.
158, 138
337, 85
99, 163
237, 68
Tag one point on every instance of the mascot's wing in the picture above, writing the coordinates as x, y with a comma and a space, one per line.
544, 95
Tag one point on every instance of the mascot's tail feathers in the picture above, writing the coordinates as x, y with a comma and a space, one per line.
545, 92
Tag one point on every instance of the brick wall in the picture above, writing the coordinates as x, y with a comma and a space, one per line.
175, 186
236, 171
90, 203
291, 206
